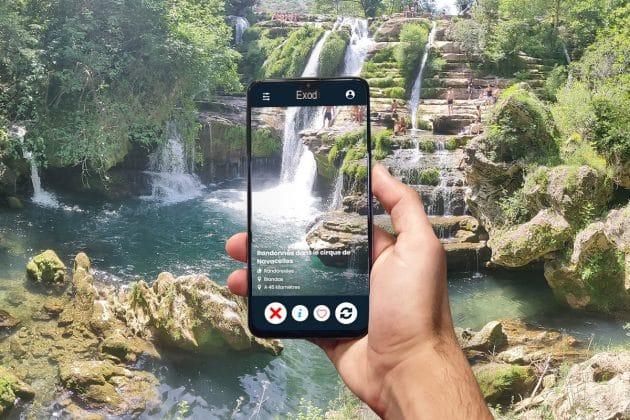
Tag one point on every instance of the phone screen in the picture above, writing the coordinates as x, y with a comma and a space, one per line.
309, 219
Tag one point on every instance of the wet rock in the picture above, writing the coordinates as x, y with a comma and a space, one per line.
7, 321
598, 388
337, 237
596, 275
516, 356
121, 348
14, 203
81, 260
47, 268
114, 389
11, 388
451, 124
192, 313
466, 256
490, 338
545, 233
504, 383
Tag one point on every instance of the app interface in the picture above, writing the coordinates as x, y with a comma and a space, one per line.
309, 214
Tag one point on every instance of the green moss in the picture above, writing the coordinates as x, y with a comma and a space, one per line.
289, 60
601, 273
501, 383
427, 146
413, 37
344, 141
395, 92
332, 55
384, 55
381, 144
451, 144
430, 176
7, 396
382, 82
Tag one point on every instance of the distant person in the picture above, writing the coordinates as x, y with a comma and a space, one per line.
495, 95
488, 91
476, 128
470, 88
328, 113
409, 364
357, 114
450, 99
400, 127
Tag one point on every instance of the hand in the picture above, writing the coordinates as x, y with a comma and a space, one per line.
409, 364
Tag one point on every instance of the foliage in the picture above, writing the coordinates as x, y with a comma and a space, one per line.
468, 34
289, 59
256, 47
382, 144
332, 55
423, 124
115, 73
451, 144
556, 78
427, 146
345, 141
413, 37
384, 82
430, 176
395, 92
521, 128
384, 55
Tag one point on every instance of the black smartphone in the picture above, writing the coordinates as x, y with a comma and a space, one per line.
309, 211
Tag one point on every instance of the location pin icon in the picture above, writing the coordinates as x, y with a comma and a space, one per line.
259, 287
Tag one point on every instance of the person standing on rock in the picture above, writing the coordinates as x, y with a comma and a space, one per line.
410, 364
450, 98
328, 111
470, 88
488, 95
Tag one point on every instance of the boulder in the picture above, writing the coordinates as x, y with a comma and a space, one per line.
502, 383
490, 338
7, 321
451, 124
466, 256
11, 388
515, 355
546, 232
337, 237
194, 314
596, 274
598, 388
102, 385
14, 203
121, 348
576, 192
47, 268
390, 29
621, 172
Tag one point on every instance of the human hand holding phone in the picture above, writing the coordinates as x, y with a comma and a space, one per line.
409, 364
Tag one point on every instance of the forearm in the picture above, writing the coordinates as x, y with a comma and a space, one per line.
437, 382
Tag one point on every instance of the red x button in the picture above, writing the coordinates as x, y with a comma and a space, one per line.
275, 313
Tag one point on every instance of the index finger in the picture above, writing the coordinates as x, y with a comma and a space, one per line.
236, 247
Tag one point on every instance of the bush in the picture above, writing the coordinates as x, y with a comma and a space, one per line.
427, 146
413, 37
290, 59
521, 128
384, 55
429, 176
611, 105
332, 55
345, 141
395, 92
423, 124
554, 81
451, 144
382, 82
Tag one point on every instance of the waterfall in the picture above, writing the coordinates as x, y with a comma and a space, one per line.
298, 163
357, 48
240, 25
172, 181
337, 195
416, 90
40, 196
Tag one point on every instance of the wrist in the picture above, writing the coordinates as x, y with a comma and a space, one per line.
435, 381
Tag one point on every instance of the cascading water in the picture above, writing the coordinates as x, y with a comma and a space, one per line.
337, 196
358, 47
416, 90
240, 25
40, 196
172, 181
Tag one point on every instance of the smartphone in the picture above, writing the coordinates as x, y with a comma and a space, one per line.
309, 207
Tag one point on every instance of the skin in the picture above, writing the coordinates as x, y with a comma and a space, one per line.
409, 365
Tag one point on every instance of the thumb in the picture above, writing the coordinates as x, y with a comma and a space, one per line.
401, 201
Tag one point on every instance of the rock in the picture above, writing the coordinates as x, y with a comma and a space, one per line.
576, 192
102, 385
390, 29
516, 356
193, 313
338, 236
503, 383
81, 260
47, 268
596, 275
11, 387
596, 389
621, 172
53, 306
451, 124
466, 256
121, 348
545, 233
490, 338
549, 381
7, 321
14, 203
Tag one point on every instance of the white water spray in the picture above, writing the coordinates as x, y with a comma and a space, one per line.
40, 197
416, 90
240, 25
358, 47
172, 181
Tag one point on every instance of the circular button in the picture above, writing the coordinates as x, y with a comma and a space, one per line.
346, 313
275, 313
350, 94
321, 313
299, 313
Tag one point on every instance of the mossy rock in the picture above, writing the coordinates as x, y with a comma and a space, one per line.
504, 383
11, 388
46, 268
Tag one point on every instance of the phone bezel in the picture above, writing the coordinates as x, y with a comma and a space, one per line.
312, 82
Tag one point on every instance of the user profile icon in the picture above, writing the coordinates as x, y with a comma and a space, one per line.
350, 94
299, 313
